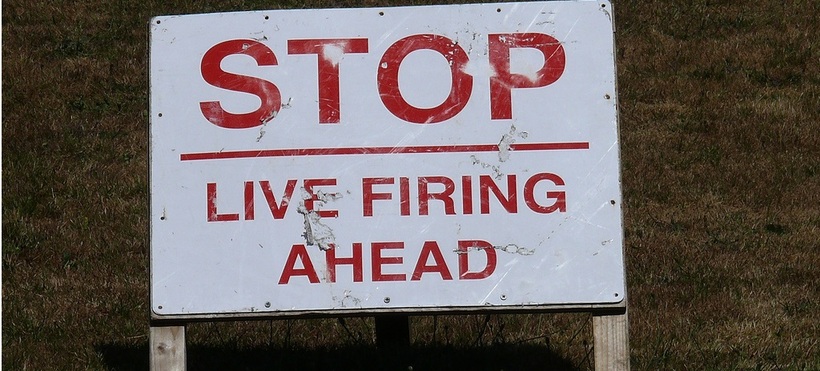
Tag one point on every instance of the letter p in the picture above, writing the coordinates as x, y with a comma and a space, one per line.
502, 83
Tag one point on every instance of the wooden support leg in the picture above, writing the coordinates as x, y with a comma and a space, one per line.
611, 334
167, 345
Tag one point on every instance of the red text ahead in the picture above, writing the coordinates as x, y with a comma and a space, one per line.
401, 196
387, 265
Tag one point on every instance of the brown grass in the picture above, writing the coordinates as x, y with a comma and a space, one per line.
720, 128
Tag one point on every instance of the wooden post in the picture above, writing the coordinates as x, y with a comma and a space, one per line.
611, 341
392, 331
167, 345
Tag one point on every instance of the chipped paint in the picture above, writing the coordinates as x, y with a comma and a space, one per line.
510, 248
557, 228
474, 247
317, 232
497, 173
325, 197
269, 117
504, 151
514, 249
265, 120
287, 104
505, 144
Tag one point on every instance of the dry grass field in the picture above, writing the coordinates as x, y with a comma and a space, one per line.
720, 129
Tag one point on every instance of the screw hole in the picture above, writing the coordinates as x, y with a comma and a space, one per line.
616, 294
158, 21
159, 307
381, 13
498, 10
612, 202
160, 115
607, 96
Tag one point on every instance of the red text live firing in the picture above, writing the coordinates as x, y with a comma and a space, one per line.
375, 191
380, 191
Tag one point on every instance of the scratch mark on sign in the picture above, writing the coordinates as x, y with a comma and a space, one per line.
554, 230
594, 169
495, 287
347, 300
571, 28
496, 169
504, 151
588, 222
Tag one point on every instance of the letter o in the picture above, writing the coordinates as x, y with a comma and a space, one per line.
388, 79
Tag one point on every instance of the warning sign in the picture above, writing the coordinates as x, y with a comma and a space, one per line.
359, 160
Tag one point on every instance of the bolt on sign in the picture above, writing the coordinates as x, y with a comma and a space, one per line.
384, 159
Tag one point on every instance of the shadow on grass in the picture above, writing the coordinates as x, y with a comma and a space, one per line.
363, 357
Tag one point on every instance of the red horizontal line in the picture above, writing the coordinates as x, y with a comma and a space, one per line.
457, 148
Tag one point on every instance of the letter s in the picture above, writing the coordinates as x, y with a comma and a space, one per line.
267, 92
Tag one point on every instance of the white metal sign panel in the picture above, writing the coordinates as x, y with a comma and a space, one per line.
382, 159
